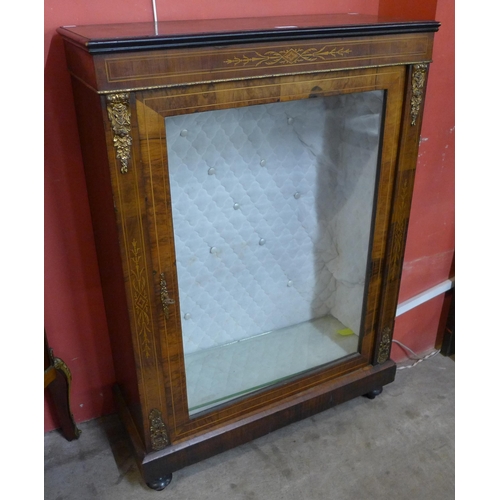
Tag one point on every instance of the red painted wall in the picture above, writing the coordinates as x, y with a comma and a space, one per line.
431, 233
74, 312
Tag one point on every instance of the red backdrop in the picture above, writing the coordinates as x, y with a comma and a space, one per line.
74, 312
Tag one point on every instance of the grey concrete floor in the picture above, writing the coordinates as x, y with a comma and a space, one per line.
399, 445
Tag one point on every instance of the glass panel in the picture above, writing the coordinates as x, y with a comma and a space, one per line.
272, 208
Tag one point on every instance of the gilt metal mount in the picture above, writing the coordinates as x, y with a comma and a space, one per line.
384, 347
418, 77
119, 114
165, 299
158, 430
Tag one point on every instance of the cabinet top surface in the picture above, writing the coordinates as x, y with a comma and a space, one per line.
108, 38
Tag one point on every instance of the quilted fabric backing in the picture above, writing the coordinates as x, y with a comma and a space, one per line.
272, 208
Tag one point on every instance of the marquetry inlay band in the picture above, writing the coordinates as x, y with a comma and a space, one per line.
399, 230
417, 90
384, 347
140, 297
288, 56
119, 115
158, 430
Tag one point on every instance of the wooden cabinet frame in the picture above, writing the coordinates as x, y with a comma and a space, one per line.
126, 81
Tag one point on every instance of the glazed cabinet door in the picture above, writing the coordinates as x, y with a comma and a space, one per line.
269, 205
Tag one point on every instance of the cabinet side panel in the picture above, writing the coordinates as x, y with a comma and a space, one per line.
94, 152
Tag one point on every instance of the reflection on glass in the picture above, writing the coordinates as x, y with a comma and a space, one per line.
272, 209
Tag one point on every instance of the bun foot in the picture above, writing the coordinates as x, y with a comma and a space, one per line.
160, 483
373, 394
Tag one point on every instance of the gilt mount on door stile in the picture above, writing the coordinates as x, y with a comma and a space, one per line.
119, 115
417, 84
165, 299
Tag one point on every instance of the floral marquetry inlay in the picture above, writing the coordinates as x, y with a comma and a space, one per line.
141, 300
288, 56
399, 230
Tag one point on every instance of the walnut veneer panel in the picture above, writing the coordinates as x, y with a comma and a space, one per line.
160, 68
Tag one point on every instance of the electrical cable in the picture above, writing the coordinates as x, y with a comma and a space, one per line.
417, 358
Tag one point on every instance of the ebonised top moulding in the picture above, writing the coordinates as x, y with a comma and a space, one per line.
112, 38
